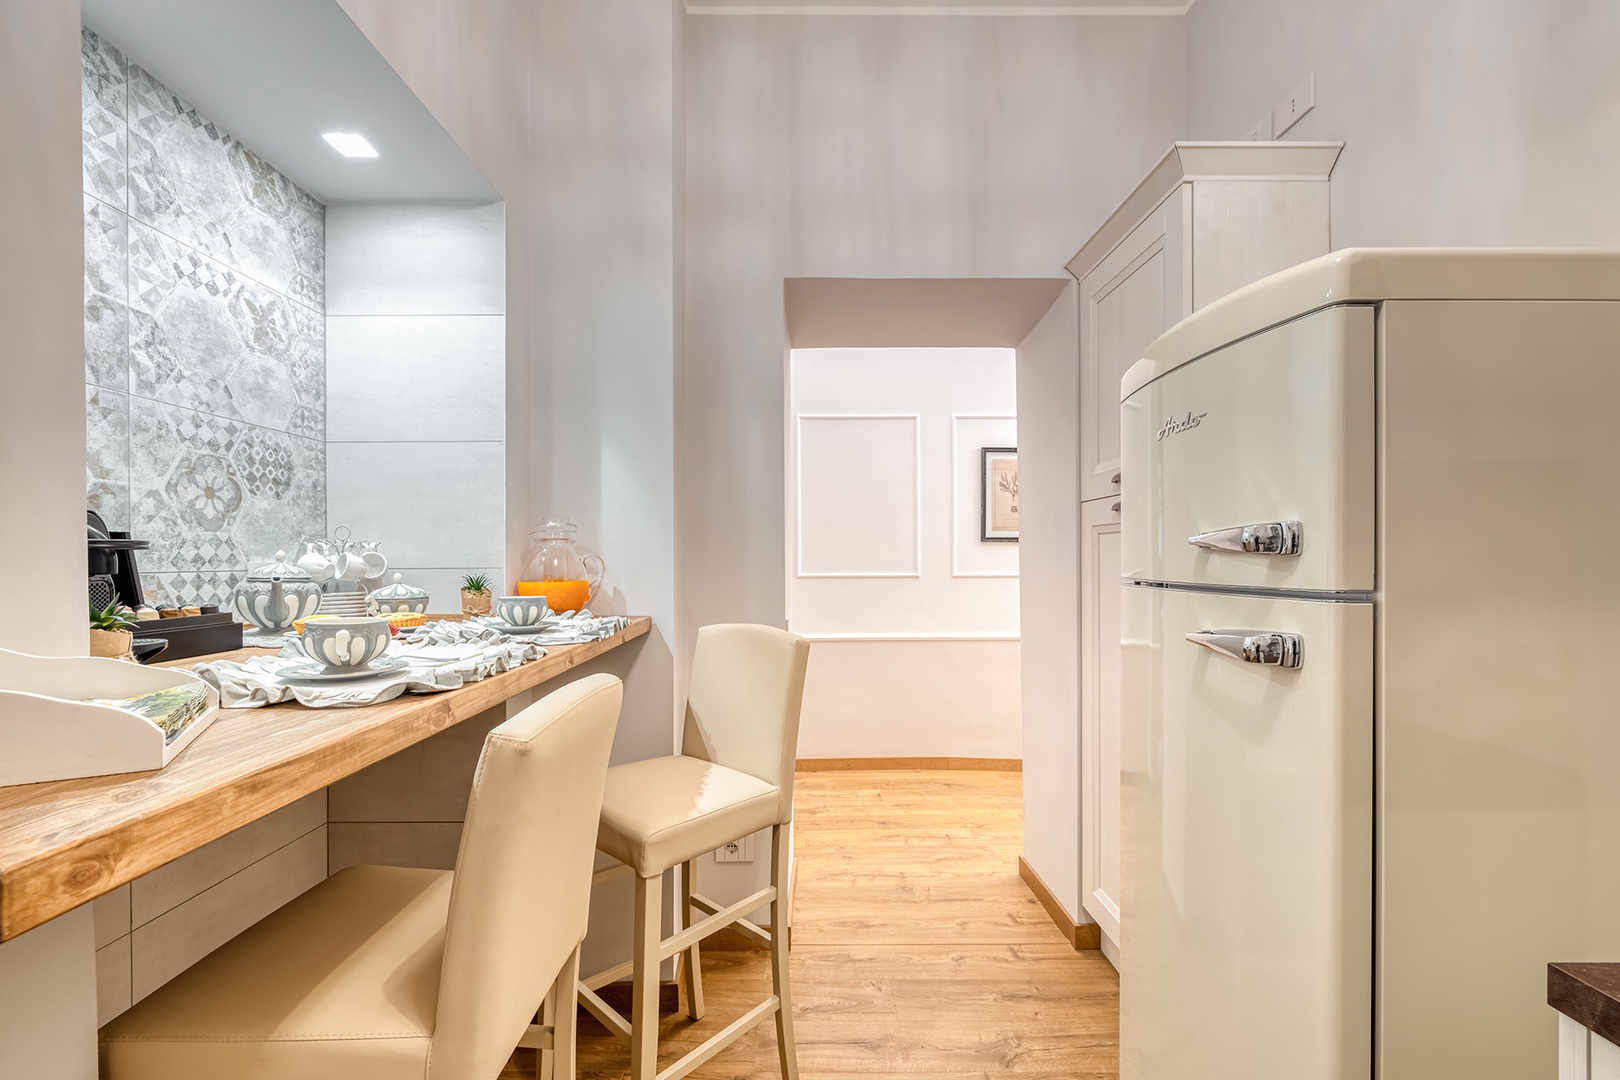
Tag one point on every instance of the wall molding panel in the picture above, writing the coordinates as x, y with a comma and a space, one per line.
916, 547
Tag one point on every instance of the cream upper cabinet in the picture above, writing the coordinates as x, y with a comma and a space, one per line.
1209, 218
1099, 712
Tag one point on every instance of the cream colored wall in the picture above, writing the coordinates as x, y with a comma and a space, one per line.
874, 146
47, 1019
42, 567
1465, 122
1049, 481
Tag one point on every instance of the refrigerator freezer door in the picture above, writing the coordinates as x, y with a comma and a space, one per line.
1246, 809
1254, 466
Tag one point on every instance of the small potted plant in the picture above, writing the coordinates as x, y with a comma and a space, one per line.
112, 632
475, 595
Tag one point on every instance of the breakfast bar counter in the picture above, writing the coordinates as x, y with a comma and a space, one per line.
67, 842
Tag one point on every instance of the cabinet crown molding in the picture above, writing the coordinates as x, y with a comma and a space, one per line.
1188, 162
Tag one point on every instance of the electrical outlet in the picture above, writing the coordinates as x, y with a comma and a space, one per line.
1298, 102
1261, 132
736, 851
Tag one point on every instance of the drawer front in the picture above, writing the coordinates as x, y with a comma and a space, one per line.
1254, 466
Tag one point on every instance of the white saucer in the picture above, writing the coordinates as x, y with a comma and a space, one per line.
313, 672
508, 628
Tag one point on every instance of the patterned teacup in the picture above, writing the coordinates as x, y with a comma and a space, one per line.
522, 610
344, 643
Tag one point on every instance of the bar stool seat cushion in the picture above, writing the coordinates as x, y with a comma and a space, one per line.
342, 982
663, 811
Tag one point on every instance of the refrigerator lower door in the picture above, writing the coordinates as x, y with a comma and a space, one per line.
1247, 826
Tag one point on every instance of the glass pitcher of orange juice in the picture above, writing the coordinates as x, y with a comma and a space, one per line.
557, 571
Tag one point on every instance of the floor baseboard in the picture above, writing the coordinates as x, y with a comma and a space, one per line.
851, 764
1080, 935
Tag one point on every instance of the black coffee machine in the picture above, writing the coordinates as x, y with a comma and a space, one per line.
115, 577
113, 573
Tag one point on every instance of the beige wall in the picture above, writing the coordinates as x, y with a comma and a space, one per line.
42, 568
875, 146
1049, 481
569, 109
1466, 122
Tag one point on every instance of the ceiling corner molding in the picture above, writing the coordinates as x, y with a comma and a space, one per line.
1073, 10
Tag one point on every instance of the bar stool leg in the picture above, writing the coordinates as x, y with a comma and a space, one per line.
691, 963
565, 1023
785, 1050
644, 989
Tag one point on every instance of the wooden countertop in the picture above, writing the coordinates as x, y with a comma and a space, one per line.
1588, 994
69, 841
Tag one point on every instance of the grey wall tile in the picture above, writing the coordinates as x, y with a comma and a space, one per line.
205, 337
205, 343
105, 129
442, 505
434, 377
191, 180
106, 295
177, 590
106, 459
212, 493
416, 260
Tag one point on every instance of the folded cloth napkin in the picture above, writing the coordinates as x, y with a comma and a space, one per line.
562, 627
432, 666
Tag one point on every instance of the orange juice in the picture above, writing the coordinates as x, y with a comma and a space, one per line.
560, 595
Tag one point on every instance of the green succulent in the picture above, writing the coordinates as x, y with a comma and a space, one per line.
475, 583
111, 617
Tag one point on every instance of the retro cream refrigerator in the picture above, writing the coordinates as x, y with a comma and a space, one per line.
1371, 716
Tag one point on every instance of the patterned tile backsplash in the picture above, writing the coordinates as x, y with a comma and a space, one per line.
205, 340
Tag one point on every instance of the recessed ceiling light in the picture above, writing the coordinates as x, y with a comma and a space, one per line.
350, 144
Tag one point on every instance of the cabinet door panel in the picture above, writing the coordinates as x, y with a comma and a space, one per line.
1100, 713
1135, 294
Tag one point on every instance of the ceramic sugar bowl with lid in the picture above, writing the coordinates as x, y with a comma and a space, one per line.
273, 597
398, 597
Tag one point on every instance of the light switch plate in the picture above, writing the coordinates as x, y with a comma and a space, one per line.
736, 851
1299, 101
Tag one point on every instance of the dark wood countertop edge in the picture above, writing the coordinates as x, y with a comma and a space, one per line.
1588, 994
37, 888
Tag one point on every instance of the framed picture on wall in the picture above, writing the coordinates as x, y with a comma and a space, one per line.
998, 495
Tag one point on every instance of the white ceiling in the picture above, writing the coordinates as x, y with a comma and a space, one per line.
938, 7
279, 75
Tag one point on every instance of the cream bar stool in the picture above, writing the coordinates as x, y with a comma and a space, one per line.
382, 973
733, 777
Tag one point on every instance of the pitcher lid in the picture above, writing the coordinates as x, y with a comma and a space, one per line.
554, 528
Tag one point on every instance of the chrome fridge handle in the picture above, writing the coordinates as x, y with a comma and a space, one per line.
1254, 646
1266, 538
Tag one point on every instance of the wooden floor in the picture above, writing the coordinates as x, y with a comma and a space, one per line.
916, 949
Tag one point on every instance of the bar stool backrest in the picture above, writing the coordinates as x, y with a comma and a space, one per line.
523, 876
742, 707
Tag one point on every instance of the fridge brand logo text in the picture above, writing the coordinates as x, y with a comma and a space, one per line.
1173, 426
